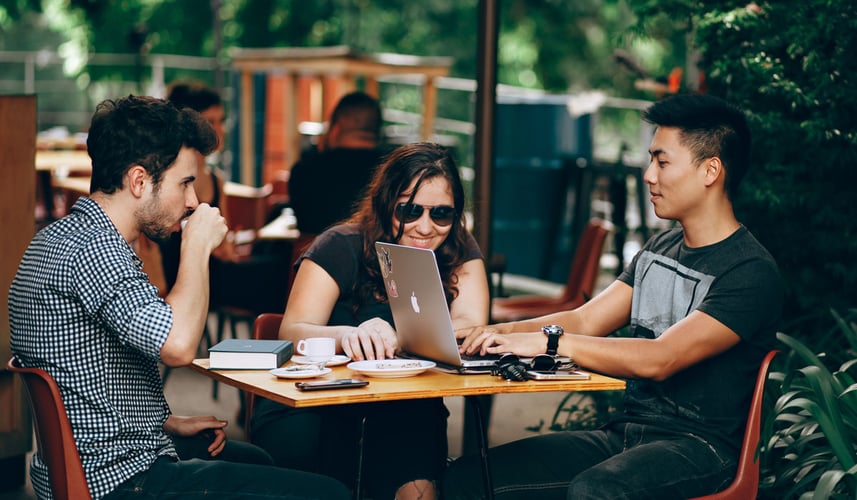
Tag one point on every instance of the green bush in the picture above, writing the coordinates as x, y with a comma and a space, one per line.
791, 65
810, 438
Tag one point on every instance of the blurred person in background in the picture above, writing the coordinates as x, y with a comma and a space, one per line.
326, 185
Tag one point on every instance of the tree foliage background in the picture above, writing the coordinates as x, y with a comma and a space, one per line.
791, 65
547, 44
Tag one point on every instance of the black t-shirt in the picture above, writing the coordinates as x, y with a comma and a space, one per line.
736, 282
339, 251
325, 187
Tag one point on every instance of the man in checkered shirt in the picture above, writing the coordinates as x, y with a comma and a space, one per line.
82, 309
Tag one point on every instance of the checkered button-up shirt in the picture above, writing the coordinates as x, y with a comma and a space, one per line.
81, 308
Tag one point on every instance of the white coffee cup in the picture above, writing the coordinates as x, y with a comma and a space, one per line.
317, 349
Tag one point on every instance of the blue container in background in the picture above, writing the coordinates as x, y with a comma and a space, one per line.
537, 139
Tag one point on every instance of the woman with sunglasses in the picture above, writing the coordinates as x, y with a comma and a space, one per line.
415, 198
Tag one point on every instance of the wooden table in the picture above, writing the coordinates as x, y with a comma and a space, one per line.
56, 165
431, 384
68, 160
278, 229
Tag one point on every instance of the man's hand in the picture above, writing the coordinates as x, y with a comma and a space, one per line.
372, 339
487, 340
205, 229
192, 426
472, 338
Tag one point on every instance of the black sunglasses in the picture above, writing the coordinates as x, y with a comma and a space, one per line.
512, 367
442, 215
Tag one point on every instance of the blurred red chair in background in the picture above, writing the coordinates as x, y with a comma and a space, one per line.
578, 288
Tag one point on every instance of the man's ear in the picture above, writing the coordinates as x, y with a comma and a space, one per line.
713, 171
138, 180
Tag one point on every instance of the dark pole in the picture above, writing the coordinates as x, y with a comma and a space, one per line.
486, 94
217, 34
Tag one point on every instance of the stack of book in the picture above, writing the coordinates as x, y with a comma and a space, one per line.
249, 354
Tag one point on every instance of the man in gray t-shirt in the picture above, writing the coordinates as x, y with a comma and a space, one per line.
701, 303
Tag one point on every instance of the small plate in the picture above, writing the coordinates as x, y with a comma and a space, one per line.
391, 368
299, 371
339, 359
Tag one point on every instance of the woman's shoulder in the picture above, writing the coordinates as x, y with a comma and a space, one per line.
347, 235
471, 249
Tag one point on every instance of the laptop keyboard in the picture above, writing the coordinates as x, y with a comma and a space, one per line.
479, 357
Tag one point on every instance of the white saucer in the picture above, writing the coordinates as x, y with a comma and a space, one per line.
299, 371
339, 359
391, 368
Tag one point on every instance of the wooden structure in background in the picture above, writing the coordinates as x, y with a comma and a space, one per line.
18, 220
305, 83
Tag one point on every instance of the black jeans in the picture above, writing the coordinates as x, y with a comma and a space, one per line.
404, 441
240, 471
621, 461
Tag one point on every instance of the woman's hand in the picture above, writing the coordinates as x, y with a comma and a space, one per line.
372, 339
191, 426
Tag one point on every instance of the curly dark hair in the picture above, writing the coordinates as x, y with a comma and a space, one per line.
374, 217
141, 130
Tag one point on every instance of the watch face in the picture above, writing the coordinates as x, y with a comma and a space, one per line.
552, 330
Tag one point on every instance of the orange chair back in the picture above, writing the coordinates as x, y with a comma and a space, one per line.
746, 482
579, 287
267, 326
53, 434
583, 274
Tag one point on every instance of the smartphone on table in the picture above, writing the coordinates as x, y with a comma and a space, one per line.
340, 383
560, 375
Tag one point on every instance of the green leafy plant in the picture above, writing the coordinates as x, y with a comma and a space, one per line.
810, 439
582, 411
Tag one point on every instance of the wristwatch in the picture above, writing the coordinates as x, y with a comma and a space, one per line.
553, 333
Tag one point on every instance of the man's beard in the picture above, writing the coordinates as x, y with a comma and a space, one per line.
155, 224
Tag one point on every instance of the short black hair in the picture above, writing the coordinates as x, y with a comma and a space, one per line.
358, 111
192, 94
141, 130
710, 127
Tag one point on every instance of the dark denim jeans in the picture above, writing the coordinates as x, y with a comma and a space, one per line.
621, 461
242, 471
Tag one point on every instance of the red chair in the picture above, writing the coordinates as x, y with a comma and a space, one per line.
578, 288
746, 482
53, 434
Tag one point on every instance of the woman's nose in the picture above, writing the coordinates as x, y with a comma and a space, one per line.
424, 223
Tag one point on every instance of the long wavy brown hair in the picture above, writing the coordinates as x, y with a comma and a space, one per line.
374, 217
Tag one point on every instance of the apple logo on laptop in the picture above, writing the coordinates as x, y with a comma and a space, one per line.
414, 303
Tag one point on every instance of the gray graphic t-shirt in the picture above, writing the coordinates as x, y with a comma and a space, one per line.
736, 282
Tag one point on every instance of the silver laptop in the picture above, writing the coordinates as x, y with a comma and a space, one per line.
420, 313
